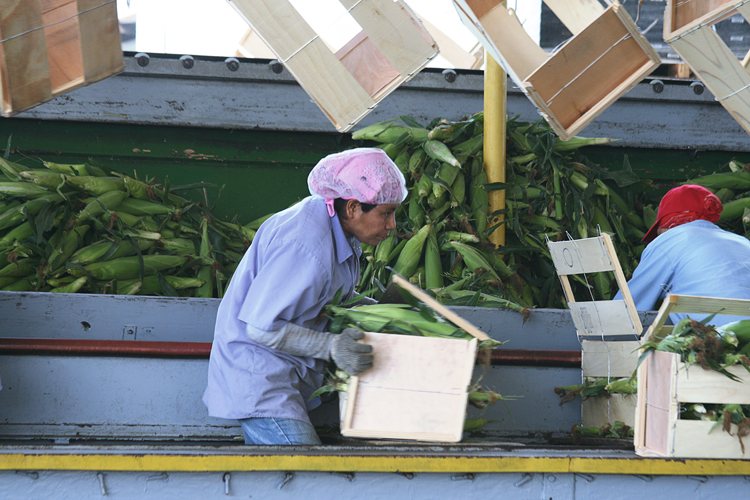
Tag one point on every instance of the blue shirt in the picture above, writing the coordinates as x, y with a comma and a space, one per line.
697, 258
298, 261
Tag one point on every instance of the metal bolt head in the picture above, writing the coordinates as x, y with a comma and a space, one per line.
187, 62
276, 66
449, 75
143, 59
657, 85
698, 87
233, 64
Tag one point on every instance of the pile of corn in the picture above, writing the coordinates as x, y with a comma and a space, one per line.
441, 241
82, 228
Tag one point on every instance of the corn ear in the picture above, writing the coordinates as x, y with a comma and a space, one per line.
474, 260
409, 258
432, 262
440, 152
129, 267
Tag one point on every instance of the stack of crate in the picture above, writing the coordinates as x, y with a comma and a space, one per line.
50, 47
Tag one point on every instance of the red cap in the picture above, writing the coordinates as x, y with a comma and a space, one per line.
685, 204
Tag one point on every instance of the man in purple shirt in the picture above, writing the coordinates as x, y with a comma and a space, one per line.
270, 342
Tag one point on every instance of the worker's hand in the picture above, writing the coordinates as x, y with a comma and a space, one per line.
350, 355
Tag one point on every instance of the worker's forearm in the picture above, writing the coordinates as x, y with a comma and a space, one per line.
294, 339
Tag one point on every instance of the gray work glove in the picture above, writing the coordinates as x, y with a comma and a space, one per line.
342, 348
350, 355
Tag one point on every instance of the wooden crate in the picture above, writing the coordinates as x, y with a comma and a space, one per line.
390, 49
416, 390
688, 29
665, 383
608, 329
606, 57
50, 47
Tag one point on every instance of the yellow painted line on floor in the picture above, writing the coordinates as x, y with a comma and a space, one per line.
338, 463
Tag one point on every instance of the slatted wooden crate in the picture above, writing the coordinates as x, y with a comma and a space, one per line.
665, 384
347, 84
608, 329
418, 387
50, 47
688, 29
606, 57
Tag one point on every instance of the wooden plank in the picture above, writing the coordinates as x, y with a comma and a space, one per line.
449, 49
63, 39
439, 308
602, 410
694, 384
609, 359
695, 439
587, 255
622, 284
503, 37
24, 50
577, 14
684, 15
100, 40
252, 45
417, 389
657, 399
602, 318
367, 64
391, 29
708, 305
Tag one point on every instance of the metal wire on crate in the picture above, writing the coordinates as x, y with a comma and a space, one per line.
57, 22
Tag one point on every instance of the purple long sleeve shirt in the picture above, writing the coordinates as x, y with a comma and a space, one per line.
298, 261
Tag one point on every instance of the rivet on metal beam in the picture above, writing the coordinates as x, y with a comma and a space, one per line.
143, 59
233, 64
657, 85
276, 66
698, 87
187, 62
462, 477
226, 478
100, 476
588, 477
449, 75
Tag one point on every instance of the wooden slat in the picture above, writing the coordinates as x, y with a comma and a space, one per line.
695, 439
587, 255
613, 359
391, 29
101, 45
707, 305
683, 15
439, 308
28, 83
449, 49
603, 318
63, 38
369, 66
600, 411
251, 45
503, 37
694, 384
575, 14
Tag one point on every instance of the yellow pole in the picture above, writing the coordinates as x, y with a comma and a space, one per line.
495, 104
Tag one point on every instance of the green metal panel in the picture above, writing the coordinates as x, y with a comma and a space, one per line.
255, 172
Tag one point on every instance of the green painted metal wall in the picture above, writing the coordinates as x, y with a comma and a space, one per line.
257, 172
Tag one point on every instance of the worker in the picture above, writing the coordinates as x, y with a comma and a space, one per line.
270, 344
688, 254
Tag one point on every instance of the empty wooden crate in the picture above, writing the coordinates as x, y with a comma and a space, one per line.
418, 389
689, 30
49, 47
345, 80
666, 385
608, 330
570, 87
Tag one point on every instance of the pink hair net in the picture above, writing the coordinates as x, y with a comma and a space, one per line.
367, 175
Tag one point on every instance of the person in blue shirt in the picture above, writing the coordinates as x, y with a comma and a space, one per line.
270, 342
688, 254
